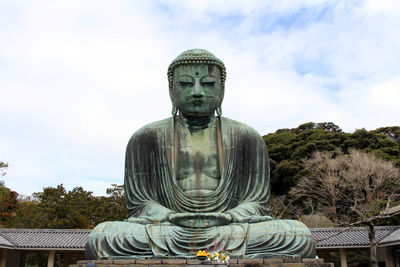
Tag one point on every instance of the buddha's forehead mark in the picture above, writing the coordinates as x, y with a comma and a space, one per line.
196, 70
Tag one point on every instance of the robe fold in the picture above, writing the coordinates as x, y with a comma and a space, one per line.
152, 193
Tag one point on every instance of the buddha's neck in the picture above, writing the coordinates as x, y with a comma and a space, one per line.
196, 122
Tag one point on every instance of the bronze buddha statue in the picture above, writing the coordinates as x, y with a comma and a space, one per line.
196, 179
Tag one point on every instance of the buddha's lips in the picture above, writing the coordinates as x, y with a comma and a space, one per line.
197, 102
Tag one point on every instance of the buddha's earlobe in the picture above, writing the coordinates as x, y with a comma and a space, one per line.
174, 110
219, 111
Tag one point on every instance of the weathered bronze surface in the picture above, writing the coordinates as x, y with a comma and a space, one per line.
197, 179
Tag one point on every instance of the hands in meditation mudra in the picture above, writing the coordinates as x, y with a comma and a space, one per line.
196, 179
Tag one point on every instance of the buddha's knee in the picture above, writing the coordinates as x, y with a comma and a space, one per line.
112, 238
279, 226
281, 237
119, 229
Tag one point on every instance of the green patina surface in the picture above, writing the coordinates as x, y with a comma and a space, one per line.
198, 179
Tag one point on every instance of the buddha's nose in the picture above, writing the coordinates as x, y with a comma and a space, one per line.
197, 90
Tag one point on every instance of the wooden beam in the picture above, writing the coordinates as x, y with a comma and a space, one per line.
343, 258
389, 259
50, 259
3, 258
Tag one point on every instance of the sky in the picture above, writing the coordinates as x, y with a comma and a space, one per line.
78, 78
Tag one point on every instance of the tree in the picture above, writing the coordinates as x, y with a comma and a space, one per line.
8, 199
352, 189
55, 207
8, 205
79, 203
393, 134
117, 201
27, 215
316, 221
288, 147
111, 208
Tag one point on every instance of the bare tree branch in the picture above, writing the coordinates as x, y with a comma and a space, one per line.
353, 189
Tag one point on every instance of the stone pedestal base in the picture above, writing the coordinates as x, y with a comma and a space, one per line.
196, 263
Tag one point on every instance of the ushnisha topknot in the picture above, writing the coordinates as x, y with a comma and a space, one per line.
196, 56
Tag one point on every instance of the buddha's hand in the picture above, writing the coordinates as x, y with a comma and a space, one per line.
200, 220
152, 213
147, 220
257, 219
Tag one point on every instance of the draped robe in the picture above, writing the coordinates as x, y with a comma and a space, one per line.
152, 192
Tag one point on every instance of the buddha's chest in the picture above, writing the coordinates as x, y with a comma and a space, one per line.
197, 166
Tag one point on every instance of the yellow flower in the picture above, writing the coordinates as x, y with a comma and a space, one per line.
217, 254
201, 253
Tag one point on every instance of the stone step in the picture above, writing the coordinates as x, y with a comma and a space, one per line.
286, 262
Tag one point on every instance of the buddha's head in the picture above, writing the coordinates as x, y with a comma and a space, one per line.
196, 83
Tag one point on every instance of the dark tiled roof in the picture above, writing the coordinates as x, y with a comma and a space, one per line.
76, 239
44, 238
349, 237
392, 238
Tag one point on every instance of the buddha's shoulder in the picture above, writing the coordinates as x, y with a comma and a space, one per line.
239, 126
155, 126
152, 128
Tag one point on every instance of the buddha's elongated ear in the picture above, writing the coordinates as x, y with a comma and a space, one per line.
171, 96
174, 110
219, 111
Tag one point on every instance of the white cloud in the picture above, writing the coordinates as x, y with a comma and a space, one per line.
78, 78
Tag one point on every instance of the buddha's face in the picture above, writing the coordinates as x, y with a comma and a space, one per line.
197, 89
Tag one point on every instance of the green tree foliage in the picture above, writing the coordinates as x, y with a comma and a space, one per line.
110, 208
55, 207
390, 152
26, 216
8, 205
288, 147
8, 198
